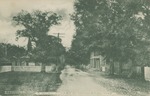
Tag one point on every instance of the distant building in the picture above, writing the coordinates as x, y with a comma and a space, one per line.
98, 62
22, 61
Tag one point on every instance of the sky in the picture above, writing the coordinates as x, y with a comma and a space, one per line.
8, 8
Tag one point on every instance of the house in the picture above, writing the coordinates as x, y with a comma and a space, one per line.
22, 61
98, 62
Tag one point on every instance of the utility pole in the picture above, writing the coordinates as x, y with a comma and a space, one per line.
59, 35
58, 66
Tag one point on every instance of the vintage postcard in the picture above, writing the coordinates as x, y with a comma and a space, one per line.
74, 48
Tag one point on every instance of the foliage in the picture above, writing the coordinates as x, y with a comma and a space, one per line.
36, 26
2, 50
78, 54
9, 51
118, 29
48, 51
15, 51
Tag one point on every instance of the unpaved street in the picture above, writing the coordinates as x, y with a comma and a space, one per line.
79, 83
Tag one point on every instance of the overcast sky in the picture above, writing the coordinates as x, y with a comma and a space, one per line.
11, 7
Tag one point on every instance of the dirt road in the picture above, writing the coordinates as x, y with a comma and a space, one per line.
79, 83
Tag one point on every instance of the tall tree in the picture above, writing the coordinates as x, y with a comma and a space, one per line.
35, 27
35, 24
115, 27
48, 51
78, 53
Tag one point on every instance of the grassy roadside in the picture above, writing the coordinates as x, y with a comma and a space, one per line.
27, 82
124, 86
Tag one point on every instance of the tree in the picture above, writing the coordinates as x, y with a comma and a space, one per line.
15, 51
8, 51
78, 53
115, 27
35, 24
48, 52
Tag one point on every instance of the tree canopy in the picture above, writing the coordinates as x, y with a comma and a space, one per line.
8, 52
118, 29
48, 51
36, 26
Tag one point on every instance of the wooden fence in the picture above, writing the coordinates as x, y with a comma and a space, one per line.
25, 68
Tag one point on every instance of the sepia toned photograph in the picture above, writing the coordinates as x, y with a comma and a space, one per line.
74, 47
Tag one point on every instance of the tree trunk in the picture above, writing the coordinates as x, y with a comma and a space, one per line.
43, 67
131, 74
27, 63
29, 45
142, 73
112, 68
12, 68
120, 68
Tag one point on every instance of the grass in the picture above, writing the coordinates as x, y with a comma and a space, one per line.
124, 86
28, 82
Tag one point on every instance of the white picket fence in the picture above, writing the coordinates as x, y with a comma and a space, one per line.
49, 69
5, 69
25, 68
